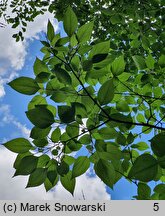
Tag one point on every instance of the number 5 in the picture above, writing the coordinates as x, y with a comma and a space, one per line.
156, 207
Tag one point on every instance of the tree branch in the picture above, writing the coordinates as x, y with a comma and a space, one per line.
101, 108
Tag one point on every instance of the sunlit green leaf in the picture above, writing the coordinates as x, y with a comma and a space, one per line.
144, 168
142, 146
43, 160
39, 67
85, 139
122, 106
63, 76
107, 133
24, 85
18, 145
41, 117
55, 136
68, 182
139, 62
80, 166
37, 133
106, 92
150, 62
105, 171
36, 100
84, 32
72, 129
118, 66
50, 31
100, 48
40, 142
70, 22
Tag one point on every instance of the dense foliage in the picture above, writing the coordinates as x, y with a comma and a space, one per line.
101, 88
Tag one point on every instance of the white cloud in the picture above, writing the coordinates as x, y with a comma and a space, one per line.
14, 188
7, 119
13, 54
40, 25
90, 188
12, 59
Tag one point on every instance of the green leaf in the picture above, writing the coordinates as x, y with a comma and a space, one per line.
84, 32
139, 62
19, 158
122, 119
18, 145
37, 133
130, 138
106, 92
48, 185
61, 95
37, 177
106, 172
39, 67
63, 76
43, 160
27, 165
52, 173
40, 142
72, 129
80, 109
69, 159
55, 152
140, 118
55, 137
118, 66
85, 139
66, 114
144, 169
100, 48
161, 161
80, 166
121, 139
122, 106
161, 61
107, 133
43, 77
142, 146
144, 191
63, 168
158, 144
160, 188
41, 117
68, 182
150, 62
87, 65
24, 85
115, 19
70, 22
36, 100
99, 57
50, 31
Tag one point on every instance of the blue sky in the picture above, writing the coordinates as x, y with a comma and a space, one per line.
17, 60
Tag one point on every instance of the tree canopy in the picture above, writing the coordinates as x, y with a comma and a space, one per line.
100, 88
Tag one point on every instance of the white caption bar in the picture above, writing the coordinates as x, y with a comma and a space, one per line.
87, 208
